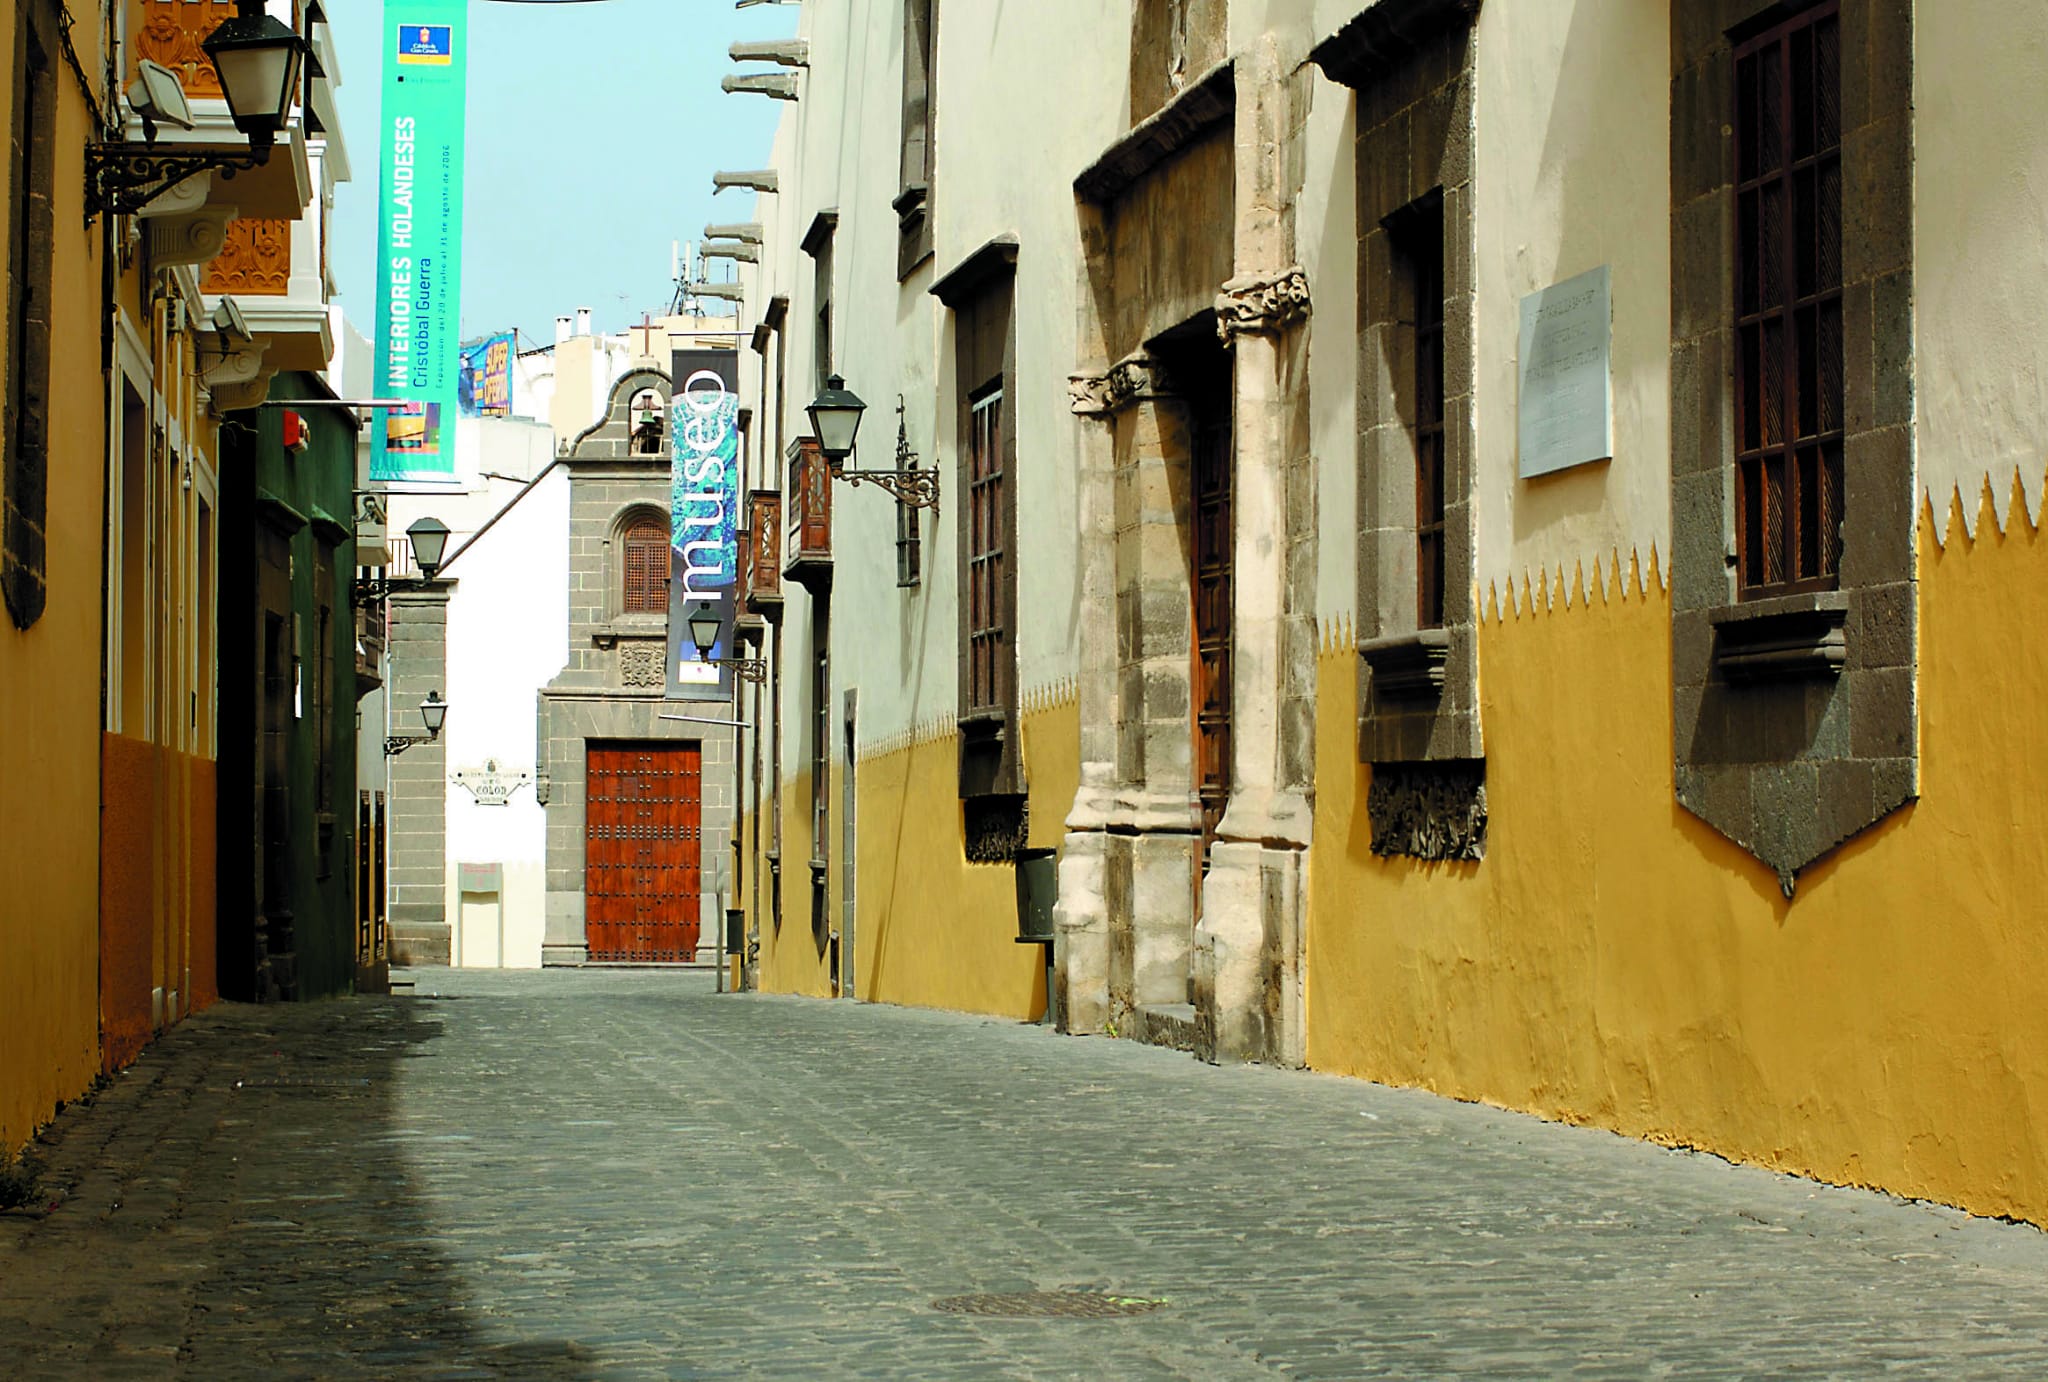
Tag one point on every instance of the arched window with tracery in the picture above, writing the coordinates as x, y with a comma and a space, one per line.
646, 565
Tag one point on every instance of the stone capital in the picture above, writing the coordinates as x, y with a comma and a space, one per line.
1261, 304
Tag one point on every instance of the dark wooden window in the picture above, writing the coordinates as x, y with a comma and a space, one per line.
646, 566
821, 290
1214, 560
1418, 241
987, 552
323, 708
1788, 306
913, 211
24, 477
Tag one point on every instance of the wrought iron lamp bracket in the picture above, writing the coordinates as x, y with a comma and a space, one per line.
124, 178
748, 669
395, 744
911, 485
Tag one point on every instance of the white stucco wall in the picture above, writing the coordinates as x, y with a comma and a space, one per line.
1980, 229
508, 635
840, 151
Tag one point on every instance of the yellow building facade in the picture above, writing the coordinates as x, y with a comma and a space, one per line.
52, 497
1682, 779
124, 351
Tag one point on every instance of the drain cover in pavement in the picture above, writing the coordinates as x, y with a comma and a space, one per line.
1048, 1305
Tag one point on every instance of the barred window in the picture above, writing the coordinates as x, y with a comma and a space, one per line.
1415, 234
1788, 305
986, 553
646, 566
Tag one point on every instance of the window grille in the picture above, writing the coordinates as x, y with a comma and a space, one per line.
1788, 306
646, 567
986, 554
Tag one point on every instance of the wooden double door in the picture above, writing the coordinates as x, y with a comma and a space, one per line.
644, 852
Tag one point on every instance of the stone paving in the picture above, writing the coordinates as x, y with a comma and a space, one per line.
570, 1175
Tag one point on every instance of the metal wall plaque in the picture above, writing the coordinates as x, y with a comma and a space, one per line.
1567, 394
480, 878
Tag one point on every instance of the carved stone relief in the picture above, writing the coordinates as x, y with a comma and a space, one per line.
643, 664
1261, 303
1428, 810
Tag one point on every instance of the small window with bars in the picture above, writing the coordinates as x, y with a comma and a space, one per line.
987, 555
1417, 233
1788, 306
646, 566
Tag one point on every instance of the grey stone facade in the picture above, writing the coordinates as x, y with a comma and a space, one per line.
1795, 718
420, 930
613, 687
1418, 688
1162, 935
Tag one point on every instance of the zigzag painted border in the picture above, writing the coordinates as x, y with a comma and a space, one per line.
1037, 700
2005, 493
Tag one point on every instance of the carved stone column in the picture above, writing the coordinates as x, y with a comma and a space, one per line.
1248, 942
1081, 916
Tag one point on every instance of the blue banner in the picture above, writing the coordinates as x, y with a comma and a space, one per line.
704, 432
484, 387
419, 239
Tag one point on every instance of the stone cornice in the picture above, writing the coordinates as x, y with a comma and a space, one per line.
1207, 104
1261, 304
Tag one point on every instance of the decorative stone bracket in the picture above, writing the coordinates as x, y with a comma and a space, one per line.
1261, 304
1133, 379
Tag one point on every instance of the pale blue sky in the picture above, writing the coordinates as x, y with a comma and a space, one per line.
593, 133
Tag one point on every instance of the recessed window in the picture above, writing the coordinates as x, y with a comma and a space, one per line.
646, 566
1418, 243
1788, 305
987, 555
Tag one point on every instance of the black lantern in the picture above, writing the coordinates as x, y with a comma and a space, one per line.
704, 628
835, 420
258, 59
429, 543
434, 711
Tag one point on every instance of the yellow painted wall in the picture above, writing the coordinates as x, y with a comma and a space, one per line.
931, 929
1613, 961
49, 690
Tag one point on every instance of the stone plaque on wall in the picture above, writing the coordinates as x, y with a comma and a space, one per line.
1567, 393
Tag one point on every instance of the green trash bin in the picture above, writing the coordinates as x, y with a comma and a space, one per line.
1037, 889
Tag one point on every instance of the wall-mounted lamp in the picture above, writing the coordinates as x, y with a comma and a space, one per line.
835, 422
429, 547
258, 59
434, 711
705, 626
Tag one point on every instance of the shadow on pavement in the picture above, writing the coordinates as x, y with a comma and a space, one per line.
245, 1202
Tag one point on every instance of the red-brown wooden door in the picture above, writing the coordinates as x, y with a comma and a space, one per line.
644, 823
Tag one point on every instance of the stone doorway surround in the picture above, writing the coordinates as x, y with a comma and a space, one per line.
1131, 956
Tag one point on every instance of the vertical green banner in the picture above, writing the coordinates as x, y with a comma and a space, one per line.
419, 238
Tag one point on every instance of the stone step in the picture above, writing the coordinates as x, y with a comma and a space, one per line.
1168, 1024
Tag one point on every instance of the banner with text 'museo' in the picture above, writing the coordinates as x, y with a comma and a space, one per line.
704, 518
419, 239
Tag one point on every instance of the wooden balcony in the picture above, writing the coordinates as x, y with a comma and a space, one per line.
763, 588
808, 558
748, 624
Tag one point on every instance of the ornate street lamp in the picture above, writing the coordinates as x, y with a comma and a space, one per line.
259, 60
429, 552
434, 711
705, 626
835, 422
429, 543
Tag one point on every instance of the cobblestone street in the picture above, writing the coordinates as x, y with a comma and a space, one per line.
622, 1174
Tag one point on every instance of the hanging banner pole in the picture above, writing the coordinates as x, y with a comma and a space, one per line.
419, 239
